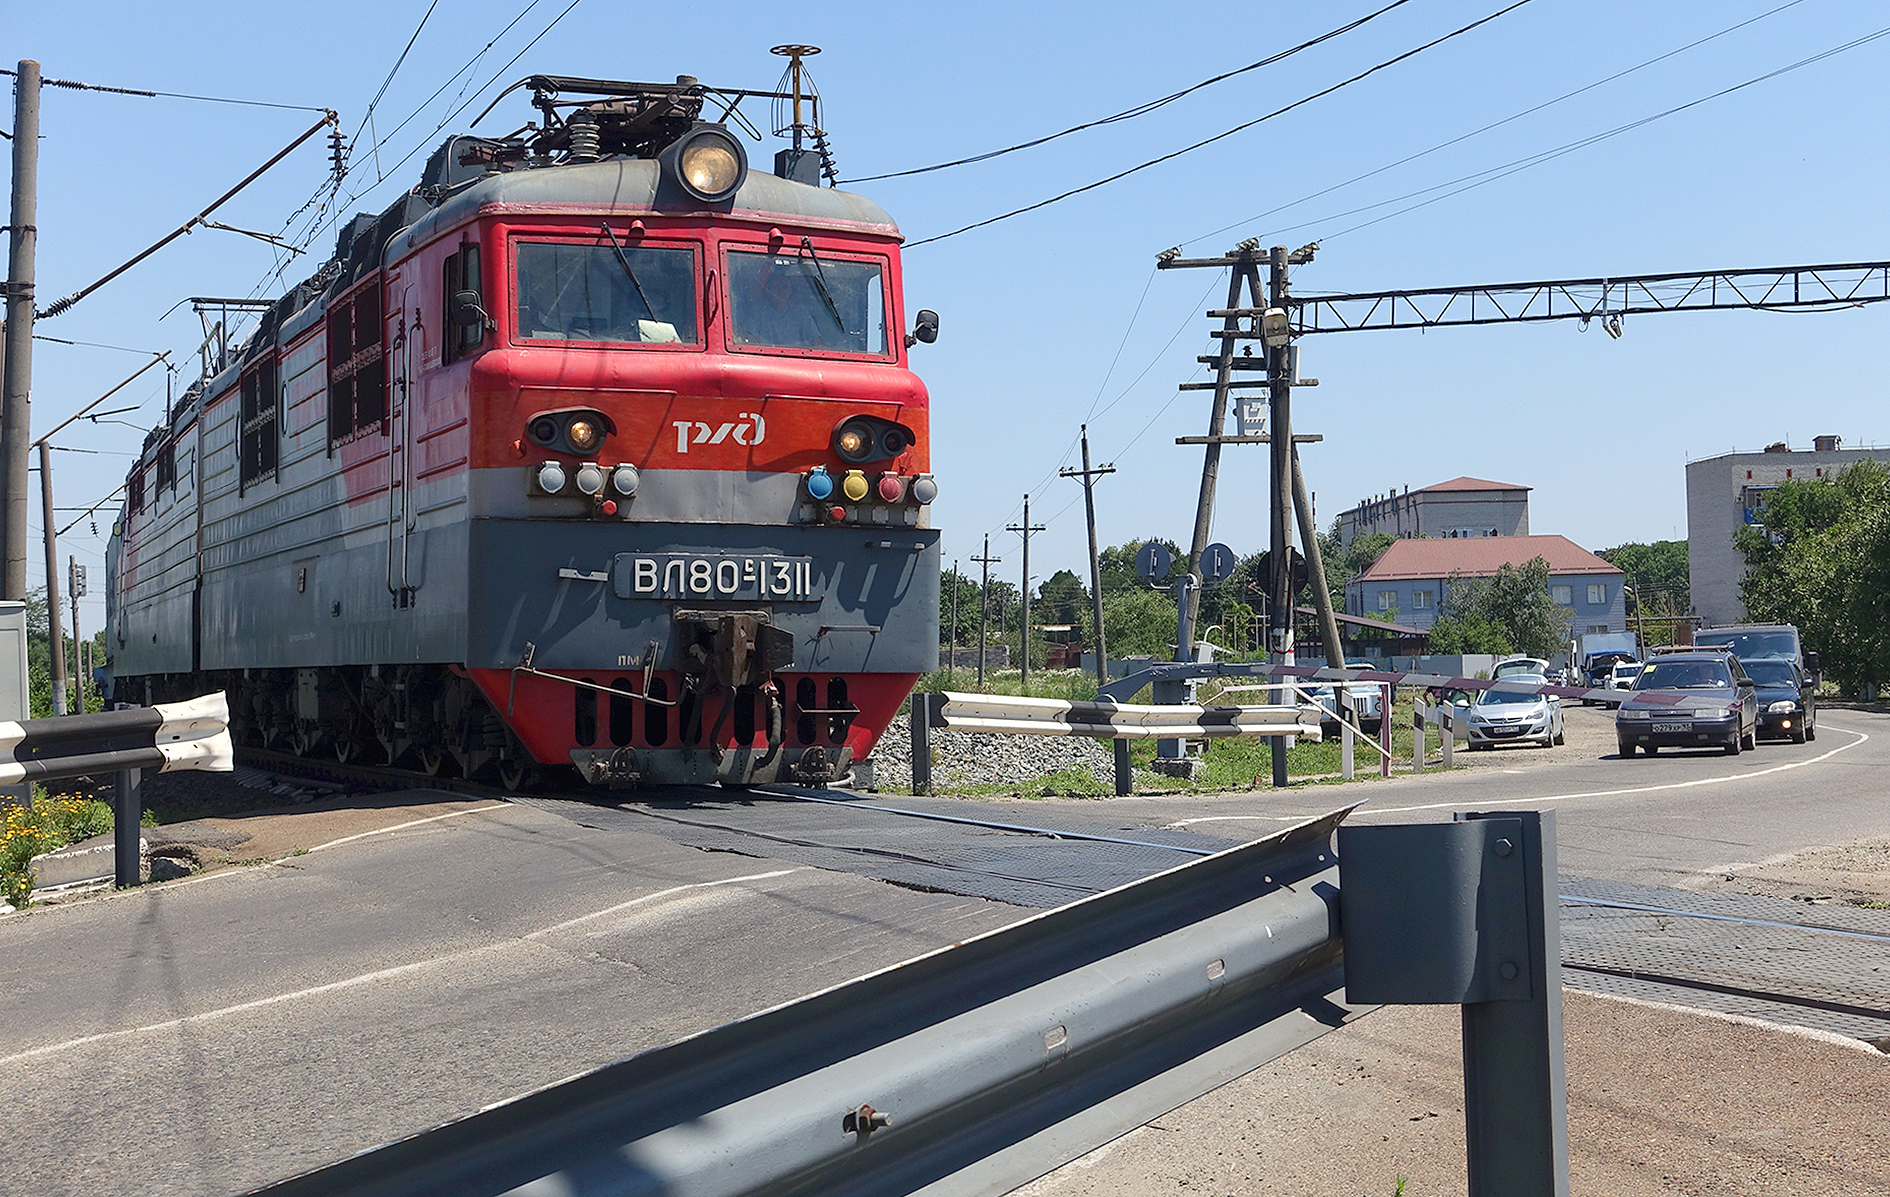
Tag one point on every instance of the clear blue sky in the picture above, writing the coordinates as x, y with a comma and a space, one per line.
1058, 317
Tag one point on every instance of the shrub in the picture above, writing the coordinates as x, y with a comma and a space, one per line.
51, 822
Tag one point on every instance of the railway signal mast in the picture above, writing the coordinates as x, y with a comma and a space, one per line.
1281, 318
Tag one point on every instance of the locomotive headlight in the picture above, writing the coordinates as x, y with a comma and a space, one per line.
853, 486
854, 441
544, 430
707, 162
551, 477
624, 479
590, 479
583, 435
924, 489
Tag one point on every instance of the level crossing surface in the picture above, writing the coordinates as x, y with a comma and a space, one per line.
215, 1034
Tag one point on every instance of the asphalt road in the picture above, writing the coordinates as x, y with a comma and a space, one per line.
208, 1036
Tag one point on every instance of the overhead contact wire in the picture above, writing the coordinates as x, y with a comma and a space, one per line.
1367, 73
1139, 109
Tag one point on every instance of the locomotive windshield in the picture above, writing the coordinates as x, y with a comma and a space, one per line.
802, 300
609, 292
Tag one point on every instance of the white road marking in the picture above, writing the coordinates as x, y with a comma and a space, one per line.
1465, 803
378, 974
453, 814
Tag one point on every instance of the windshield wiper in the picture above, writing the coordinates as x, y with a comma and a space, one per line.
631, 274
820, 283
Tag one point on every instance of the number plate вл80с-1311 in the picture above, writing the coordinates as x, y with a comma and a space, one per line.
764, 578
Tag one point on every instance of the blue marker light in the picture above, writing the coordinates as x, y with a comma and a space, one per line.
819, 482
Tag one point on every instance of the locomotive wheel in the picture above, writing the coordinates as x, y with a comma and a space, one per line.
345, 750
430, 760
302, 742
515, 774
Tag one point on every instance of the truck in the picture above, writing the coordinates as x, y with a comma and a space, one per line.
1753, 641
1593, 656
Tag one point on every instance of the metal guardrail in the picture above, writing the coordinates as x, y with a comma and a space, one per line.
1010, 714
168, 737
970, 1070
979, 1067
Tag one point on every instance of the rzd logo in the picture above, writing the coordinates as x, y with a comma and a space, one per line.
748, 430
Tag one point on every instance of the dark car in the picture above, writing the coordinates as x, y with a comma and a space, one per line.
1786, 708
1689, 700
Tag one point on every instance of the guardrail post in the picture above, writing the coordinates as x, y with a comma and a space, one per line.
922, 716
1417, 736
1125, 773
1447, 729
1464, 913
1384, 731
127, 815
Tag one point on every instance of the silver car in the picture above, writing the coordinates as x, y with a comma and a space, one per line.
1510, 712
1365, 699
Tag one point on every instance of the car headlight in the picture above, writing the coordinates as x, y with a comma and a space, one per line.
1627, 714
1709, 713
1785, 707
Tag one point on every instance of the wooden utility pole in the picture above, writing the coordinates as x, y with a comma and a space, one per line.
1024, 631
1089, 477
76, 587
984, 604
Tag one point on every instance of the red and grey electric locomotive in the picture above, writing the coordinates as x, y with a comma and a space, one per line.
597, 450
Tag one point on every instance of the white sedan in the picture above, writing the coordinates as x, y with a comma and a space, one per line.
1510, 712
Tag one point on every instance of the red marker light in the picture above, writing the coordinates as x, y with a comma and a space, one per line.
838, 513
610, 507
892, 488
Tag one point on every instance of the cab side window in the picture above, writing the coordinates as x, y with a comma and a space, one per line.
461, 273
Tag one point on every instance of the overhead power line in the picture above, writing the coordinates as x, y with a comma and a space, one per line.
1140, 109
1390, 62
74, 85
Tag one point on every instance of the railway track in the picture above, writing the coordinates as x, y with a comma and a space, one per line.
1765, 958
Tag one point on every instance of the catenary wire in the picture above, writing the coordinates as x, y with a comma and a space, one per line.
1140, 109
1222, 135
1523, 164
1442, 145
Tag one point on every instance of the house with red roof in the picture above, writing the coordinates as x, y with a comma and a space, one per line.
1462, 508
1406, 583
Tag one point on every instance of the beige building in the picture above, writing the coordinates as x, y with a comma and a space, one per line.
1459, 509
1728, 492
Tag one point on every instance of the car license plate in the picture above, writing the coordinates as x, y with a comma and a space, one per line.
759, 578
1672, 727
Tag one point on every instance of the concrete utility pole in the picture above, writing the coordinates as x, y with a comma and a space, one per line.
1089, 477
16, 390
951, 662
76, 587
1024, 633
1246, 275
984, 604
52, 583
1280, 426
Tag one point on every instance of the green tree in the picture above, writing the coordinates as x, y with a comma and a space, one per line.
1822, 562
1061, 599
1505, 612
1657, 585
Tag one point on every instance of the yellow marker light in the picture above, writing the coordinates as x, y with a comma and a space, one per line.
583, 435
709, 166
853, 486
